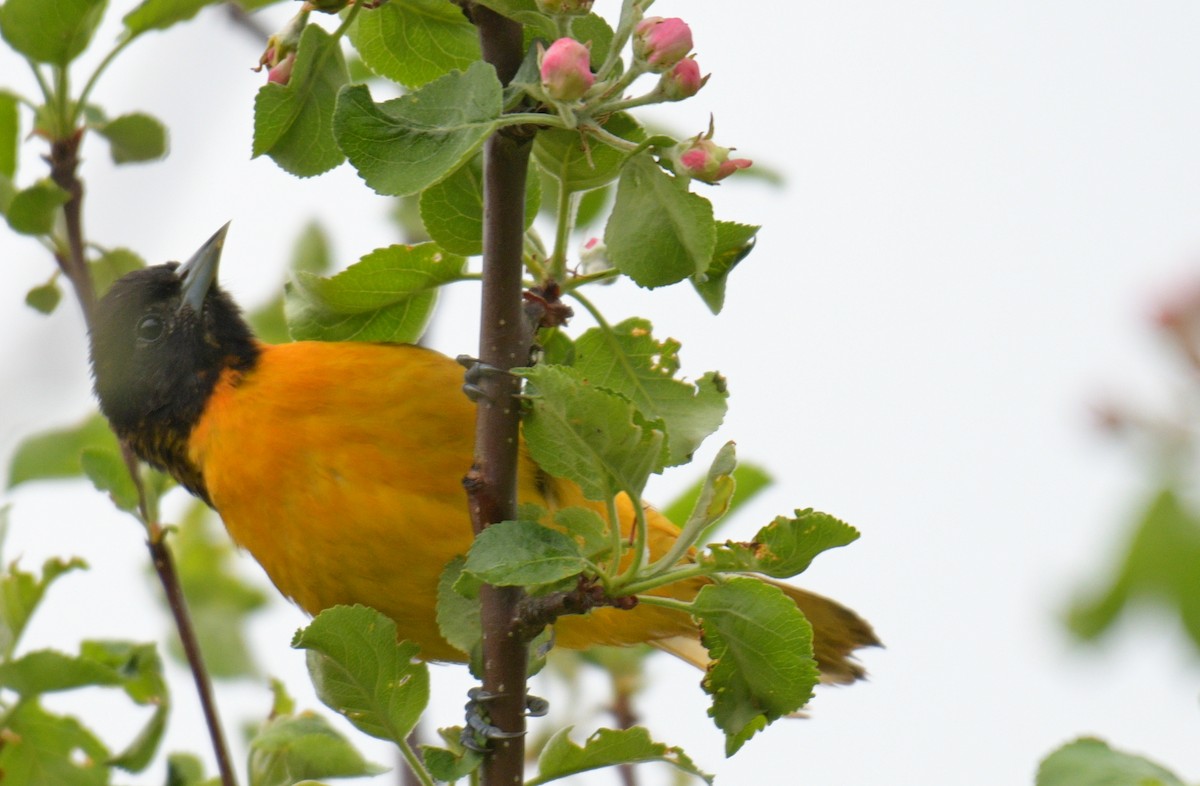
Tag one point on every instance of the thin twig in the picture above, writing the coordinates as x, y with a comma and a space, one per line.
64, 163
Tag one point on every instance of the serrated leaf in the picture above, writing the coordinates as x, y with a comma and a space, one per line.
293, 123
293, 748
388, 295
591, 436
360, 671
112, 264
44, 298
761, 649
54, 33
407, 144
658, 232
452, 210
734, 242
627, 359
522, 553
134, 138
415, 41
108, 473
1091, 762
161, 14
10, 133
55, 454
43, 749
783, 548
581, 163
33, 210
562, 758
20, 594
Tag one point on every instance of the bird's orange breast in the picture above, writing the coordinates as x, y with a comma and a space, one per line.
339, 467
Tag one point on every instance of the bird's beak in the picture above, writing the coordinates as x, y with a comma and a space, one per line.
198, 273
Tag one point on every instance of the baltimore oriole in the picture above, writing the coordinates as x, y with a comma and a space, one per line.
339, 465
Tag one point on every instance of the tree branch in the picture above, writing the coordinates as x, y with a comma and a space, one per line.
504, 343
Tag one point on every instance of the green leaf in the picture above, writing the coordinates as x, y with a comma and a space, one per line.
1159, 563
32, 210
10, 134
784, 547
42, 749
388, 295
161, 14
20, 594
141, 676
713, 500
186, 769
50, 32
458, 613
293, 748
734, 243
56, 454
658, 232
749, 480
519, 553
1091, 762
360, 671
562, 758
627, 359
587, 528
415, 41
761, 648
111, 265
108, 473
453, 762
591, 436
44, 298
582, 163
134, 138
452, 210
311, 254
293, 123
407, 144
524, 11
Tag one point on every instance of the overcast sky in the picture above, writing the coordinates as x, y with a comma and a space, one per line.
983, 203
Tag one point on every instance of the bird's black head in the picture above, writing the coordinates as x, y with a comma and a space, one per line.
161, 338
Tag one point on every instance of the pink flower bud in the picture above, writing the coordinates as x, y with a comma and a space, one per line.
682, 81
704, 160
593, 257
661, 42
281, 72
566, 70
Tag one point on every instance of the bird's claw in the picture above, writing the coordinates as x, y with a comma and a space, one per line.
477, 370
479, 731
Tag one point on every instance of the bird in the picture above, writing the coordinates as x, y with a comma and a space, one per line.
338, 465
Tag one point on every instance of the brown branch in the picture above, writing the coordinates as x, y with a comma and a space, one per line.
64, 165
504, 343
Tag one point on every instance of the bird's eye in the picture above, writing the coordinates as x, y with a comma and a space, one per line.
149, 329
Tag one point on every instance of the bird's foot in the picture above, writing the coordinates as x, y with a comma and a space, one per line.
477, 371
479, 732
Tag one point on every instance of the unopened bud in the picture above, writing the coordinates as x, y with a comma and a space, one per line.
566, 70
705, 160
661, 42
682, 81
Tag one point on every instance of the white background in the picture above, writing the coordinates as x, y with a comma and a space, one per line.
984, 203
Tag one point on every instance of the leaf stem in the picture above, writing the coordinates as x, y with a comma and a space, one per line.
568, 203
415, 765
642, 584
87, 88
